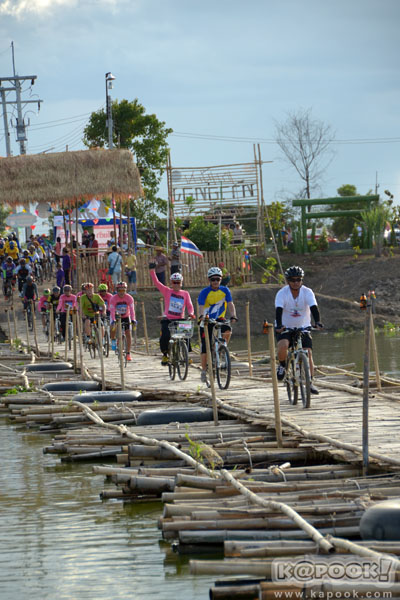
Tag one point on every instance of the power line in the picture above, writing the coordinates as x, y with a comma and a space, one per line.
261, 140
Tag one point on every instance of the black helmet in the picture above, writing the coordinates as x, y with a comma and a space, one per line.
29, 279
56, 289
294, 272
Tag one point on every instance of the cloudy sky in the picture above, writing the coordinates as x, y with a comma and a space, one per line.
216, 71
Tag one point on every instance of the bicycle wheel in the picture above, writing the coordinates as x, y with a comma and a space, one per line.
182, 364
172, 360
30, 318
106, 344
93, 342
223, 367
290, 380
304, 380
70, 335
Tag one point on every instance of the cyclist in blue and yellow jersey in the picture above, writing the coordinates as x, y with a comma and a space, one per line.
12, 250
214, 301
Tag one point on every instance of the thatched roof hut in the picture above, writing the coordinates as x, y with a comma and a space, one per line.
69, 176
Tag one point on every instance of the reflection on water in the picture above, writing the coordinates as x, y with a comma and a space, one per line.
58, 540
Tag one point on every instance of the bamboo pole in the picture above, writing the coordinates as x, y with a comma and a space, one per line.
15, 323
79, 328
210, 372
375, 354
27, 331
248, 338
146, 337
99, 330
74, 316
161, 305
366, 386
34, 329
66, 334
121, 352
78, 257
277, 408
9, 326
51, 333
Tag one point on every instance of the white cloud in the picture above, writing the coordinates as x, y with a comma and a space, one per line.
21, 8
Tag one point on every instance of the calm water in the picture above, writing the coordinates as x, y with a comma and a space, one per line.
58, 540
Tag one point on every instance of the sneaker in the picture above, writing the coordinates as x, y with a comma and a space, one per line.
280, 372
164, 360
203, 377
128, 357
113, 344
313, 389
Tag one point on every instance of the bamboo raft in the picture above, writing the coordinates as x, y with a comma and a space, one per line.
229, 487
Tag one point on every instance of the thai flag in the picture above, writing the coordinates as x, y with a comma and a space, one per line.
189, 247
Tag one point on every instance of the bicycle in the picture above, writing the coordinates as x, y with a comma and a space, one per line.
122, 355
38, 273
57, 329
106, 336
28, 308
92, 343
8, 288
178, 354
221, 359
298, 375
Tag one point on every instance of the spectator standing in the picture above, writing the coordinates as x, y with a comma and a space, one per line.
66, 265
114, 265
175, 258
60, 276
57, 250
130, 266
161, 264
237, 234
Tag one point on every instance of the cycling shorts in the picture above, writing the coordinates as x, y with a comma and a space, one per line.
224, 328
305, 338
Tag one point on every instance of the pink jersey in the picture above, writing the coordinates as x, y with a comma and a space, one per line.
43, 303
123, 306
107, 299
66, 301
175, 301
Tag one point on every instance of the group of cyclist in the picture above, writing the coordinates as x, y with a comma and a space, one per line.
19, 266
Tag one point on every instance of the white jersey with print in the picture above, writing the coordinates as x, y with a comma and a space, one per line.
296, 311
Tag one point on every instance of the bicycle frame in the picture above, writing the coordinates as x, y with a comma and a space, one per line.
218, 347
297, 375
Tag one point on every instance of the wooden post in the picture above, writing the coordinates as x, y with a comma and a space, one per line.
162, 305
74, 331
101, 356
15, 323
366, 386
34, 328
134, 328
78, 258
66, 334
277, 408
248, 337
79, 329
210, 372
375, 355
146, 338
121, 352
51, 331
9, 326
27, 330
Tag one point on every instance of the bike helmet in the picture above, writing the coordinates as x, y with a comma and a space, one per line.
103, 287
22, 262
176, 277
294, 272
9, 259
89, 286
46, 292
214, 271
29, 279
56, 289
121, 285
67, 288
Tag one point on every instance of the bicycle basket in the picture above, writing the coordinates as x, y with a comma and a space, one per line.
182, 329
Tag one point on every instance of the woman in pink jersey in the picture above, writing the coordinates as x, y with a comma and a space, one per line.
67, 299
122, 304
176, 301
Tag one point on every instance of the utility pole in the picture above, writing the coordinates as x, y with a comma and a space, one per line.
15, 85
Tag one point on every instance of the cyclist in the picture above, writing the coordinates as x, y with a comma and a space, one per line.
102, 290
11, 249
29, 292
293, 305
67, 299
90, 305
122, 304
176, 301
43, 307
22, 272
214, 301
7, 273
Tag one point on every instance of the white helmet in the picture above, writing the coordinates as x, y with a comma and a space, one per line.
176, 277
214, 271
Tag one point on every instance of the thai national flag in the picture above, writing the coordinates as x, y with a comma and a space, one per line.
189, 247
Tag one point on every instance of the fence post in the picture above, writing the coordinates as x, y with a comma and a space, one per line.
210, 372
375, 355
27, 330
34, 328
248, 338
9, 326
366, 386
79, 328
99, 329
146, 337
66, 334
74, 332
52, 331
15, 323
277, 408
121, 352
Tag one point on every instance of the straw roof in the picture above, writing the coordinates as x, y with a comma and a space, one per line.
68, 176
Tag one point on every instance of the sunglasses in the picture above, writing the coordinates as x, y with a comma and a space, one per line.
176, 282
215, 279
295, 279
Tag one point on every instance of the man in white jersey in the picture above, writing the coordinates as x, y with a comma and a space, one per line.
294, 305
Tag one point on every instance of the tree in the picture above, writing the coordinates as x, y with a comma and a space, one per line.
305, 142
146, 137
375, 220
205, 235
343, 226
4, 213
